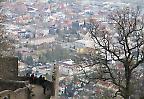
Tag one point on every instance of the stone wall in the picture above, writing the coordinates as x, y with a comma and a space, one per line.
8, 68
7, 93
11, 84
21, 93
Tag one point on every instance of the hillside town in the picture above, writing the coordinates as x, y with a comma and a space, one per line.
40, 27
49, 33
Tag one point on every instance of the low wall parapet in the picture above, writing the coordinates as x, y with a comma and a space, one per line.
21, 93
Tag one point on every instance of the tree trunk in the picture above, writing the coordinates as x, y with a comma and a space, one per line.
127, 87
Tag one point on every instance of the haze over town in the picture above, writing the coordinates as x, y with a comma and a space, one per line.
56, 32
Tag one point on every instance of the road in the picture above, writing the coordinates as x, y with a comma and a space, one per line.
38, 92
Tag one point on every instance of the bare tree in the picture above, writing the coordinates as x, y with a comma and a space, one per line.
119, 46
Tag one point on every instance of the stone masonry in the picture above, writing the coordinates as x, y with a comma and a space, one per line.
8, 68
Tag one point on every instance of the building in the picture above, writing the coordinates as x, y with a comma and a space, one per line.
39, 41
